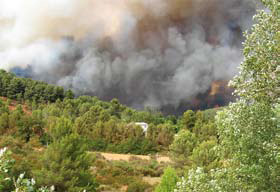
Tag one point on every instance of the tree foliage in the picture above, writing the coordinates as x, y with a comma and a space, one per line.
22, 88
21, 184
168, 181
66, 165
249, 128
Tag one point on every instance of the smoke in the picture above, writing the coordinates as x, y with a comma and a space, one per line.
146, 53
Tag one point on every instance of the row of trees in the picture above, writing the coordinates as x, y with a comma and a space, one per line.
26, 89
107, 126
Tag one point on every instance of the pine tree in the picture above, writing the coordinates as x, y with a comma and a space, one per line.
66, 165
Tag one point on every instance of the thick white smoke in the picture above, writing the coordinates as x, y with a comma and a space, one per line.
146, 53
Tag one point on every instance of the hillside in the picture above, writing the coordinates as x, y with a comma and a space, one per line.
167, 54
34, 116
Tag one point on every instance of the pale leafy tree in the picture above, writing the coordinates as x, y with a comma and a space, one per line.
21, 184
249, 129
217, 180
28, 185
5, 165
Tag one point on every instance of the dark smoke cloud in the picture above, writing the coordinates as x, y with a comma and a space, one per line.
146, 53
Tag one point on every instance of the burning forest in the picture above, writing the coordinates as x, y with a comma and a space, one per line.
164, 54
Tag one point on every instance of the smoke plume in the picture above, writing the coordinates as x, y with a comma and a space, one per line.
146, 53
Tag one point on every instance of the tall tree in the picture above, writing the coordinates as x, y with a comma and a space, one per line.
168, 181
66, 165
182, 148
249, 129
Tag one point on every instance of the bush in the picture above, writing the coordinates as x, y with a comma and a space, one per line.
97, 144
133, 146
137, 187
168, 181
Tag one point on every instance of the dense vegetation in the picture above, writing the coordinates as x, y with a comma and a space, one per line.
49, 133
106, 126
27, 89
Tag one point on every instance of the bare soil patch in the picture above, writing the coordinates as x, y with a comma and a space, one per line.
152, 180
127, 157
14, 104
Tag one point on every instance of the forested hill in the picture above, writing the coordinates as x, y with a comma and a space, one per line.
109, 124
27, 89
39, 121
52, 137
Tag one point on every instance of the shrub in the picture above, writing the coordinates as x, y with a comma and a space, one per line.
137, 186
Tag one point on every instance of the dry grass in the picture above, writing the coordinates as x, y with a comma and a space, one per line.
127, 157
152, 180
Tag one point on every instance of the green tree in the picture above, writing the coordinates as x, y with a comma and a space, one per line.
189, 119
21, 184
3, 107
69, 94
16, 87
168, 181
204, 155
59, 128
205, 130
4, 122
249, 129
24, 126
182, 147
259, 78
116, 107
5, 167
66, 165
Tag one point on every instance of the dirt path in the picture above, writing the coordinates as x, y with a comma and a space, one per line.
126, 157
